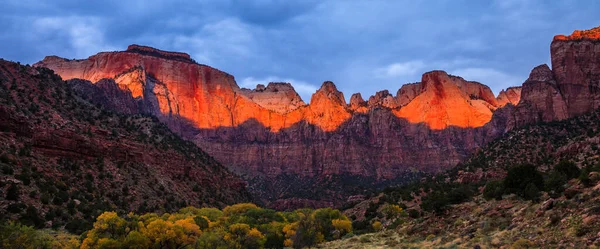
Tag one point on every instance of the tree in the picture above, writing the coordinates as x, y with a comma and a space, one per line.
377, 226
238, 208
12, 193
391, 210
531, 192
493, 190
520, 176
555, 184
568, 168
341, 227
136, 240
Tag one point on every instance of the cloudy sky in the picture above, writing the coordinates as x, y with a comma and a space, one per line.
362, 46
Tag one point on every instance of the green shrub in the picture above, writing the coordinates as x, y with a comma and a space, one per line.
519, 177
555, 184
493, 190
531, 192
12, 194
568, 168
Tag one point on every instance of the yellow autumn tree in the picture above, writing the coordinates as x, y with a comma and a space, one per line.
238, 208
108, 228
377, 226
341, 227
391, 210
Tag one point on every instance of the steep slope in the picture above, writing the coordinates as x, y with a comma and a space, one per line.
63, 159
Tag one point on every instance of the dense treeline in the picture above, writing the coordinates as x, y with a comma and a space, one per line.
238, 226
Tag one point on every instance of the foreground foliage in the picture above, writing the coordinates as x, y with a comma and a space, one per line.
238, 226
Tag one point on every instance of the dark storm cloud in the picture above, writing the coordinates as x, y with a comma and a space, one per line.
363, 46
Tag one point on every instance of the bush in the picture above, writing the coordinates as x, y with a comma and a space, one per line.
519, 177
522, 244
12, 194
555, 184
567, 168
531, 192
493, 190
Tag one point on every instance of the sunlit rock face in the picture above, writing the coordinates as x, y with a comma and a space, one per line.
511, 95
446, 100
578, 35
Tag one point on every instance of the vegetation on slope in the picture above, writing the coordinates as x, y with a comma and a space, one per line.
64, 161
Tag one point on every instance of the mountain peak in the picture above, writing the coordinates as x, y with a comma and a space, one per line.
330, 91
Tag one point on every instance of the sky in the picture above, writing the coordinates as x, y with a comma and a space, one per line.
362, 46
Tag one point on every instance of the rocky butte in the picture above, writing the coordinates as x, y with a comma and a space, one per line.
297, 154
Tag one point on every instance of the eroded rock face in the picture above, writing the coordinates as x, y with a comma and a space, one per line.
571, 88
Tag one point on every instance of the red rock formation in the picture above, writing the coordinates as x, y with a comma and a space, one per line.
511, 95
449, 101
